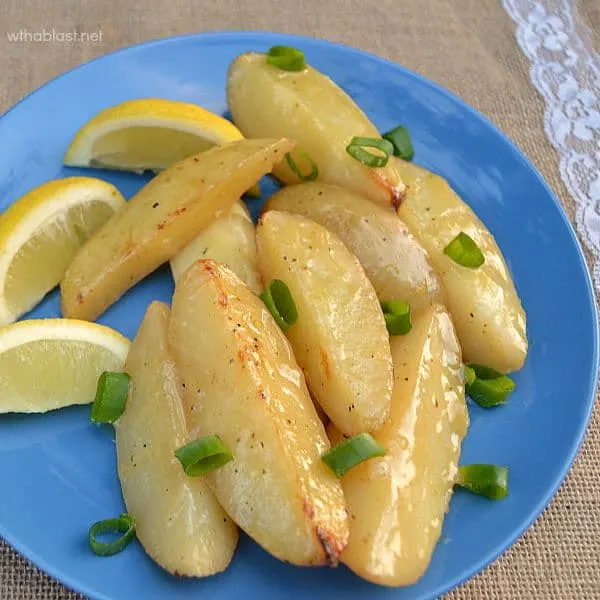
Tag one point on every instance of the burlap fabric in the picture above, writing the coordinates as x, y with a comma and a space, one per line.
466, 45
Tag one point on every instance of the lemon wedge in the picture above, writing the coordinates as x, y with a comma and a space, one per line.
148, 134
41, 232
51, 363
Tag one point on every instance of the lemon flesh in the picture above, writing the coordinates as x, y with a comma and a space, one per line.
41, 233
145, 148
41, 262
52, 363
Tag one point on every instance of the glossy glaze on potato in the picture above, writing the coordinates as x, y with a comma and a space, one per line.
484, 303
396, 504
160, 220
340, 339
229, 240
240, 381
308, 107
178, 520
396, 264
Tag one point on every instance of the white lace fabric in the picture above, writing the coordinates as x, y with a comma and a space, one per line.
565, 70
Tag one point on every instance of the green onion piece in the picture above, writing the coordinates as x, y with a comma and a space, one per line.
278, 299
469, 375
351, 452
400, 139
111, 396
286, 58
356, 149
490, 481
464, 251
489, 387
314, 169
203, 455
397, 317
125, 525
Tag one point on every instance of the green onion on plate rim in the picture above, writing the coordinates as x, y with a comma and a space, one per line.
397, 316
490, 481
286, 58
486, 386
351, 452
203, 455
111, 397
464, 251
124, 524
314, 169
400, 139
356, 149
278, 299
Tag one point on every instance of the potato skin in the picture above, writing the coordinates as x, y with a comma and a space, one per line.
230, 240
397, 503
484, 303
340, 339
396, 264
178, 520
308, 107
161, 219
242, 383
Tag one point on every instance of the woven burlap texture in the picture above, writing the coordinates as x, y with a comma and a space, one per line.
467, 46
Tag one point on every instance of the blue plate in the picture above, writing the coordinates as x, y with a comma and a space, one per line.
58, 472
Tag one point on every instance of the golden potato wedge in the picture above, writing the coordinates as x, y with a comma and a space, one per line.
484, 303
396, 504
230, 240
178, 520
160, 220
241, 382
340, 340
310, 108
393, 260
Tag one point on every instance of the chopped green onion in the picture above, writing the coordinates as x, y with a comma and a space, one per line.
278, 299
125, 525
203, 455
488, 387
314, 169
400, 139
464, 251
469, 375
351, 452
356, 149
286, 58
111, 396
397, 317
490, 481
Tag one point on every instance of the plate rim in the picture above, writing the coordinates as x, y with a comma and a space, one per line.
592, 385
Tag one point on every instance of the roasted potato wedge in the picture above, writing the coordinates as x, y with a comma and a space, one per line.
230, 240
160, 220
241, 382
484, 303
310, 108
397, 503
340, 339
178, 520
393, 260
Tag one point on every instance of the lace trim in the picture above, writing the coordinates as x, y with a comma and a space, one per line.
566, 72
